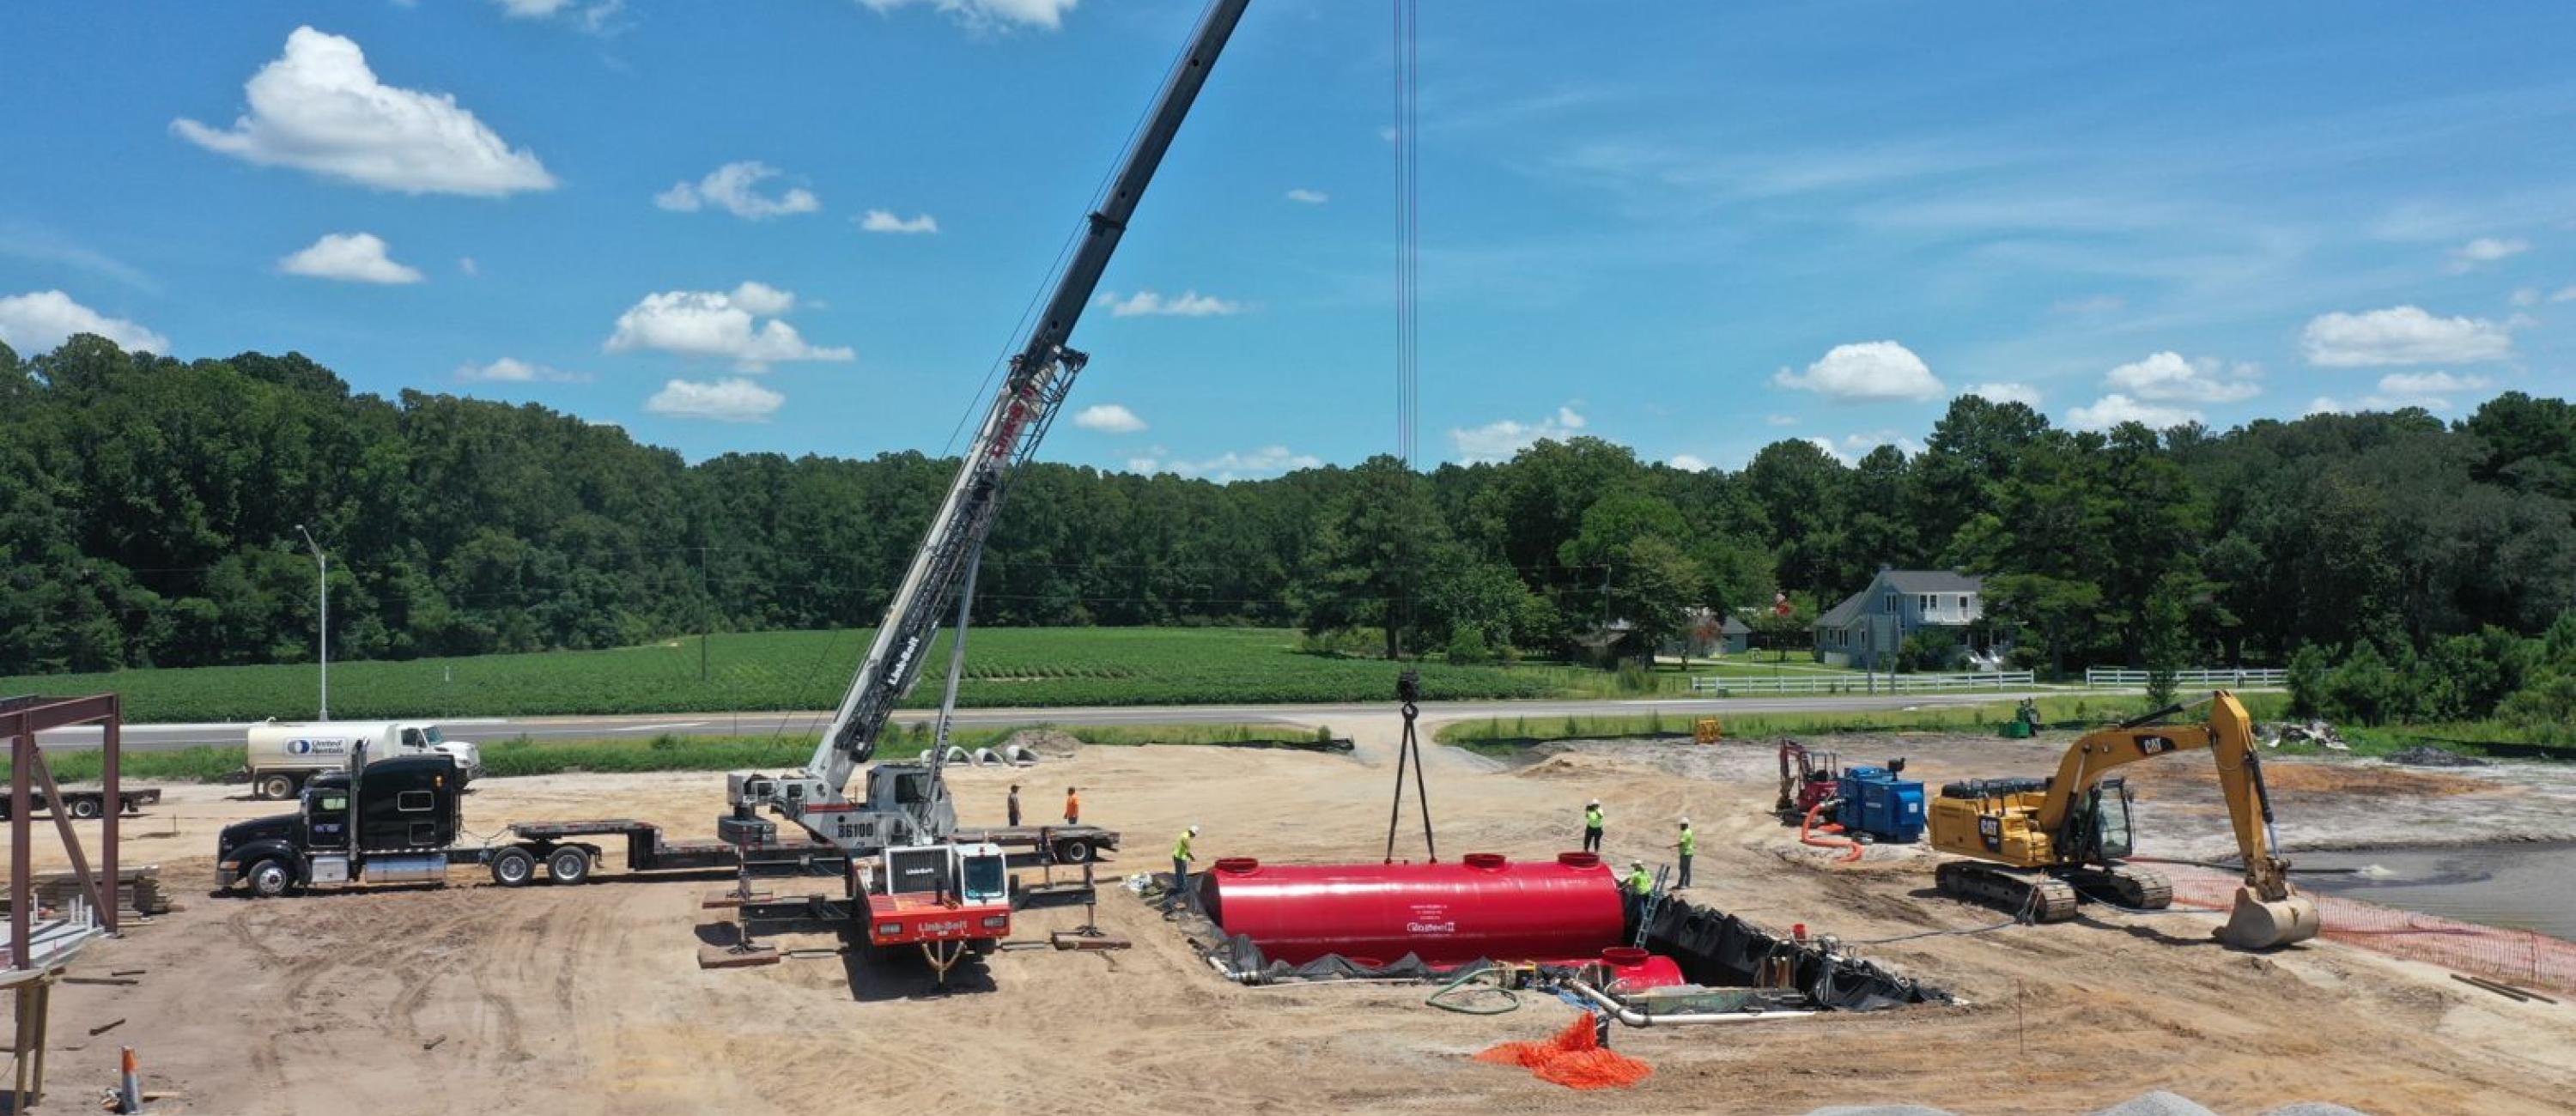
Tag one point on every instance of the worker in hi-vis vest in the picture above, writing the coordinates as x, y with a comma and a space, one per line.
1592, 827
1181, 858
1688, 845
1072, 807
1638, 882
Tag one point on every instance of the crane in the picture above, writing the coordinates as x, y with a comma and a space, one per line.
2033, 844
906, 803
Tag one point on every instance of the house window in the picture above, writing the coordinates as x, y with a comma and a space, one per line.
1963, 602
1888, 603
1926, 602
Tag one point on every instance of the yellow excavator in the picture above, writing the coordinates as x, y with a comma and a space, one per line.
2038, 845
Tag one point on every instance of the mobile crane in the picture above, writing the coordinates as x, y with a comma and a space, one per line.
902, 835
2035, 844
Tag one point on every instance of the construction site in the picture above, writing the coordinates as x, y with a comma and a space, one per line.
2106, 916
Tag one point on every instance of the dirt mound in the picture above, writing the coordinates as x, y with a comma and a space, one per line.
2426, 755
2371, 781
1045, 742
1568, 765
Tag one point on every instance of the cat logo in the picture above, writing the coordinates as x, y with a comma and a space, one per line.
1991, 830
2154, 745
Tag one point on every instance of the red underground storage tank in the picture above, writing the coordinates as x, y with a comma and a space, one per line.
1483, 907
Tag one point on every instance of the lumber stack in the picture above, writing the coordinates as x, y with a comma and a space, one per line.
138, 891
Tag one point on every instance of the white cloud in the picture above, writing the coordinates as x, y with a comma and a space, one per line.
532, 9
720, 324
2004, 393
1688, 463
1500, 439
593, 18
2113, 409
1781, 420
734, 400
734, 188
2399, 390
2167, 377
1109, 418
40, 321
1231, 465
319, 108
1854, 446
1187, 304
1865, 372
2527, 296
2097, 304
512, 370
1309, 197
351, 257
2402, 335
985, 14
2485, 250
467, 265
1827, 445
884, 221
2565, 294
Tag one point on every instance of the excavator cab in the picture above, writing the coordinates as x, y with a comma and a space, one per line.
2099, 826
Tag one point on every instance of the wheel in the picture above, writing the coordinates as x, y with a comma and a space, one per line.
83, 808
984, 947
275, 786
568, 865
1072, 852
134, 806
269, 879
514, 867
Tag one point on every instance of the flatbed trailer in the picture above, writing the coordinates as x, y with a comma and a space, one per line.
558, 845
85, 802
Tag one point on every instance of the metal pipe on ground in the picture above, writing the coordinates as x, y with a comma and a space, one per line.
1634, 1018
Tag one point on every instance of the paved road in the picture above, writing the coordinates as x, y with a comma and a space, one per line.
163, 737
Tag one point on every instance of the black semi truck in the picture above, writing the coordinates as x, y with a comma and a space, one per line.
398, 820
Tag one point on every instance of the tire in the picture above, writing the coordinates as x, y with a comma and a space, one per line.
269, 879
82, 808
514, 867
1072, 852
274, 786
134, 806
568, 865
984, 947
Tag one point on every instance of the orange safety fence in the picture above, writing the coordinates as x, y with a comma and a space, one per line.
1574, 1058
2513, 956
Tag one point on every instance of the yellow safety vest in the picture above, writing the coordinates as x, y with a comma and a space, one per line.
1181, 851
1639, 882
1592, 819
1690, 841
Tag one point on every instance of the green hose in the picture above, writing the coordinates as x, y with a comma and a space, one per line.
1511, 1001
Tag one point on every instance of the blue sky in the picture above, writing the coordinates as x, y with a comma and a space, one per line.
811, 225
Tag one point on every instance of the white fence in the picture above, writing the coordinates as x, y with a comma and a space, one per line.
2191, 679
1723, 686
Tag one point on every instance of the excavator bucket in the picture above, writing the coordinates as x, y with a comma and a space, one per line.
2259, 924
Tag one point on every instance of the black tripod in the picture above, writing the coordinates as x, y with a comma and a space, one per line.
1408, 690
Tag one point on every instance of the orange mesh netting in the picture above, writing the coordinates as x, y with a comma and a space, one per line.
1574, 1058
2516, 956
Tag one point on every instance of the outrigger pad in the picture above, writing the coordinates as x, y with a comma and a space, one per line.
735, 957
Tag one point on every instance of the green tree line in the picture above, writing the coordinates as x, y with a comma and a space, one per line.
149, 506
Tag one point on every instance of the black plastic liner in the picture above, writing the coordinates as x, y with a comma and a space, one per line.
1241, 956
1719, 950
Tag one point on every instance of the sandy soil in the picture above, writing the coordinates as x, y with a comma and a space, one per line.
469, 999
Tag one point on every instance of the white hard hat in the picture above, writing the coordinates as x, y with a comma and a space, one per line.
1596, 802
1636, 864
1686, 823
1194, 831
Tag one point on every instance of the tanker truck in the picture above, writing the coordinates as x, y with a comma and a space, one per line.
282, 755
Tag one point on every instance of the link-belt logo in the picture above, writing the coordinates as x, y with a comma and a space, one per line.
957, 927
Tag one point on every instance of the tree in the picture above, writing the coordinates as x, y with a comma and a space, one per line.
1654, 586
2167, 639
1363, 563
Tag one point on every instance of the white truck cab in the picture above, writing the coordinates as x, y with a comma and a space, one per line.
281, 754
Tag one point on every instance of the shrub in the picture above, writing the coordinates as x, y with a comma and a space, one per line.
1467, 647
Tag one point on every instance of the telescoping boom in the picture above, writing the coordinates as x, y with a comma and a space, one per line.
1040, 375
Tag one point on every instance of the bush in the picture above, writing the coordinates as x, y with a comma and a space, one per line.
2308, 671
1931, 651
2545, 707
1467, 647
1633, 678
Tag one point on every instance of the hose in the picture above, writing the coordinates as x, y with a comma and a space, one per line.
1511, 1000
1806, 834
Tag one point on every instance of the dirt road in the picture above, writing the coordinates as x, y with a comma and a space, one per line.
469, 999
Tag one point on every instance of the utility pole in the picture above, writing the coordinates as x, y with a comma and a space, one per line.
322, 641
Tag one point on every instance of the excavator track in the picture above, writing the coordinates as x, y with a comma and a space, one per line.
2041, 898
2125, 885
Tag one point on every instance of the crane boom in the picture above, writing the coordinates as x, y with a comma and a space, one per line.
1040, 374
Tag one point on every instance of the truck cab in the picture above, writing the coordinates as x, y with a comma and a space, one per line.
385, 822
937, 896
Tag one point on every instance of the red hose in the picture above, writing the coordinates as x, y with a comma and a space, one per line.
1807, 833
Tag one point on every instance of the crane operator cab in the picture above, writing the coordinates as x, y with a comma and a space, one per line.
946, 898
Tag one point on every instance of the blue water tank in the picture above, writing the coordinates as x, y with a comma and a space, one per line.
1878, 803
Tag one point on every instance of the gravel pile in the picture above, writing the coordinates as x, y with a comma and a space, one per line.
2426, 755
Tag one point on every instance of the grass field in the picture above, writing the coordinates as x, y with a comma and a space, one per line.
1503, 735
807, 670
522, 756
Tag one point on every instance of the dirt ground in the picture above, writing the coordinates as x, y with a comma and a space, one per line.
469, 999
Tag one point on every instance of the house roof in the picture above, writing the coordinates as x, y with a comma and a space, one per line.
1902, 581
1734, 626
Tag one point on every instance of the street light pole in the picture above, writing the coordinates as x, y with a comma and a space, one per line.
322, 644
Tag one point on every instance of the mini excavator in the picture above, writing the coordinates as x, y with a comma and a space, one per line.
2038, 845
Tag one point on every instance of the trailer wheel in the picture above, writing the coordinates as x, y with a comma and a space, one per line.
569, 865
1072, 851
984, 947
514, 867
134, 805
269, 879
83, 808
275, 786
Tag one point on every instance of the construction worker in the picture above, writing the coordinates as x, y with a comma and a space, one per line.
1688, 844
1592, 827
1638, 882
1072, 807
1014, 805
1181, 858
